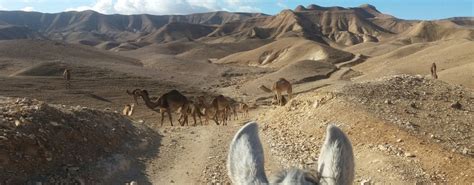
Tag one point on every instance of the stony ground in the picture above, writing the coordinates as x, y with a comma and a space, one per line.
59, 144
390, 134
428, 108
399, 154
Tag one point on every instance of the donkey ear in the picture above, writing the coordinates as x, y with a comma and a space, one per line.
245, 163
336, 161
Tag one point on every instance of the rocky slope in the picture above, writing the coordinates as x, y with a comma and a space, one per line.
60, 144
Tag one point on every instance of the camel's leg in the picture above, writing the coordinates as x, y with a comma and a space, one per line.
194, 118
170, 117
235, 114
200, 119
289, 91
215, 117
186, 115
181, 118
279, 98
225, 116
186, 119
162, 117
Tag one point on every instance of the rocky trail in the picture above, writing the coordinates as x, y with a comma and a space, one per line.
195, 154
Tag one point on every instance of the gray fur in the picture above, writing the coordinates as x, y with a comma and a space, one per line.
336, 160
245, 162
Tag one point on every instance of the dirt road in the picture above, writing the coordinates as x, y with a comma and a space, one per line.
195, 155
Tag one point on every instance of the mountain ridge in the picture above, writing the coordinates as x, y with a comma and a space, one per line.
328, 25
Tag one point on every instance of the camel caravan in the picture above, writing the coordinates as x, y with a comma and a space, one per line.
220, 109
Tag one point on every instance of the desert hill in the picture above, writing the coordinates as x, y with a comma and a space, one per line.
427, 31
176, 31
286, 51
10, 32
345, 26
337, 26
49, 58
96, 28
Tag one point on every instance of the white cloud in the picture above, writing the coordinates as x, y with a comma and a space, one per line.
27, 9
166, 6
282, 5
102, 6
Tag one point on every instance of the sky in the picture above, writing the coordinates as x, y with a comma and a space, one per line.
405, 9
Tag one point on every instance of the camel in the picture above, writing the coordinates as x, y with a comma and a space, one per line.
278, 87
128, 109
232, 109
67, 77
135, 96
221, 105
172, 101
245, 162
207, 109
244, 108
433, 71
195, 111
275, 100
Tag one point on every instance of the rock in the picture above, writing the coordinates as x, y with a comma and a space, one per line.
456, 105
389, 102
17, 123
465, 151
399, 140
409, 155
382, 147
133, 183
365, 182
54, 123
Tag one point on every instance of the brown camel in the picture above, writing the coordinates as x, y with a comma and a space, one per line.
172, 101
207, 109
244, 108
278, 87
221, 105
195, 111
232, 109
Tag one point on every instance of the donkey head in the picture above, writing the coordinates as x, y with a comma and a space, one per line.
245, 162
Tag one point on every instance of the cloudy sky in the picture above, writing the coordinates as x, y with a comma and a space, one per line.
407, 9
